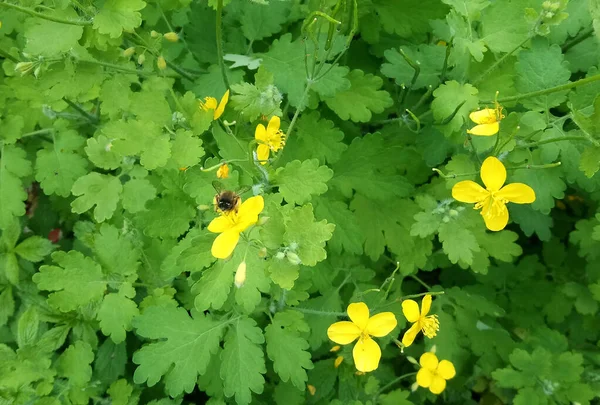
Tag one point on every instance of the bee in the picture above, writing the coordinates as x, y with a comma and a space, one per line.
227, 201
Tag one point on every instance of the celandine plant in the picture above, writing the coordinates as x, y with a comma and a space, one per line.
377, 202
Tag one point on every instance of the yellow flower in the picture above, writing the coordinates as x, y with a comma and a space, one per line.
366, 352
269, 139
223, 171
488, 121
210, 103
433, 373
492, 199
429, 325
231, 224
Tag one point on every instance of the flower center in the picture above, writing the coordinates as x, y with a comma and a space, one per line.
430, 325
492, 205
276, 140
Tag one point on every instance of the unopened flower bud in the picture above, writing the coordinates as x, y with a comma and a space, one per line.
335, 348
262, 253
412, 360
203, 207
24, 67
129, 51
279, 255
445, 219
311, 389
154, 34
293, 258
171, 36
338, 361
433, 349
141, 59
161, 63
240, 275
414, 387
453, 213
108, 147
262, 221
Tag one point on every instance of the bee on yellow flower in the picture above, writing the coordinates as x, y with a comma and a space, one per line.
421, 322
487, 120
492, 200
366, 352
269, 139
210, 104
434, 373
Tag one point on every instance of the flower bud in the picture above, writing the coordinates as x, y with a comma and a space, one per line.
414, 387
262, 253
161, 63
141, 59
453, 213
240, 275
335, 348
262, 221
412, 360
24, 67
311, 389
129, 51
338, 361
293, 258
203, 207
279, 255
171, 36
154, 34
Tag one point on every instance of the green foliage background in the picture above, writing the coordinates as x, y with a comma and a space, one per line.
130, 307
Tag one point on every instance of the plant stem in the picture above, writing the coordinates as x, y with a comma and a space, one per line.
45, 16
8, 56
394, 382
123, 69
309, 83
418, 280
545, 141
45, 131
550, 90
500, 61
317, 312
578, 39
219, 35
85, 114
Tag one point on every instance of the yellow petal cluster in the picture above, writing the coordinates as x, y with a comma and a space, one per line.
223, 171
433, 373
362, 327
231, 224
492, 200
421, 321
210, 104
269, 139
488, 121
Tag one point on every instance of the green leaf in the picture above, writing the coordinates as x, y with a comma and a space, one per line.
65, 37
114, 95
283, 273
309, 236
361, 99
183, 351
99, 190
335, 81
150, 106
397, 397
347, 235
34, 248
430, 59
547, 185
466, 41
213, 288
13, 167
448, 97
7, 305
117, 16
27, 327
136, 193
195, 253
410, 19
504, 26
74, 363
120, 391
590, 160
186, 150
458, 243
58, 166
77, 281
261, 98
100, 153
285, 59
538, 68
500, 245
287, 349
168, 216
299, 181
115, 316
315, 138
242, 361
262, 20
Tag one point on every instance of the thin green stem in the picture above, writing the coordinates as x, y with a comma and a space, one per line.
501, 60
411, 296
473, 150
418, 280
91, 118
583, 35
45, 131
219, 36
394, 382
317, 312
545, 141
8, 56
455, 176
124, 69
309, 83
550, 90
44, 16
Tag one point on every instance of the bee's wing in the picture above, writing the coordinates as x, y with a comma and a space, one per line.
218, 186
243, 190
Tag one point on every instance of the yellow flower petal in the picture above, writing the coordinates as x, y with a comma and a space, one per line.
493, 173
425, 305
429, 361
497, 218
517, 193
411, 334
252, 207
410, 309
274, 124
438, 384
223, 171
485, 116
224, 244
260, 133
424, 377
366, 355
468, 191
262, 154
219, 110
210, 103
446, 370
381, 324
359, 314
343, 332
485, 129
220, 224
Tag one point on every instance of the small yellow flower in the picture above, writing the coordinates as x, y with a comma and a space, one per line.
223, 171
492, 199
171, 36
210, 103
433, 373
429, 325
270, 138
366, 352
338, 361
230, 225
488, 121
